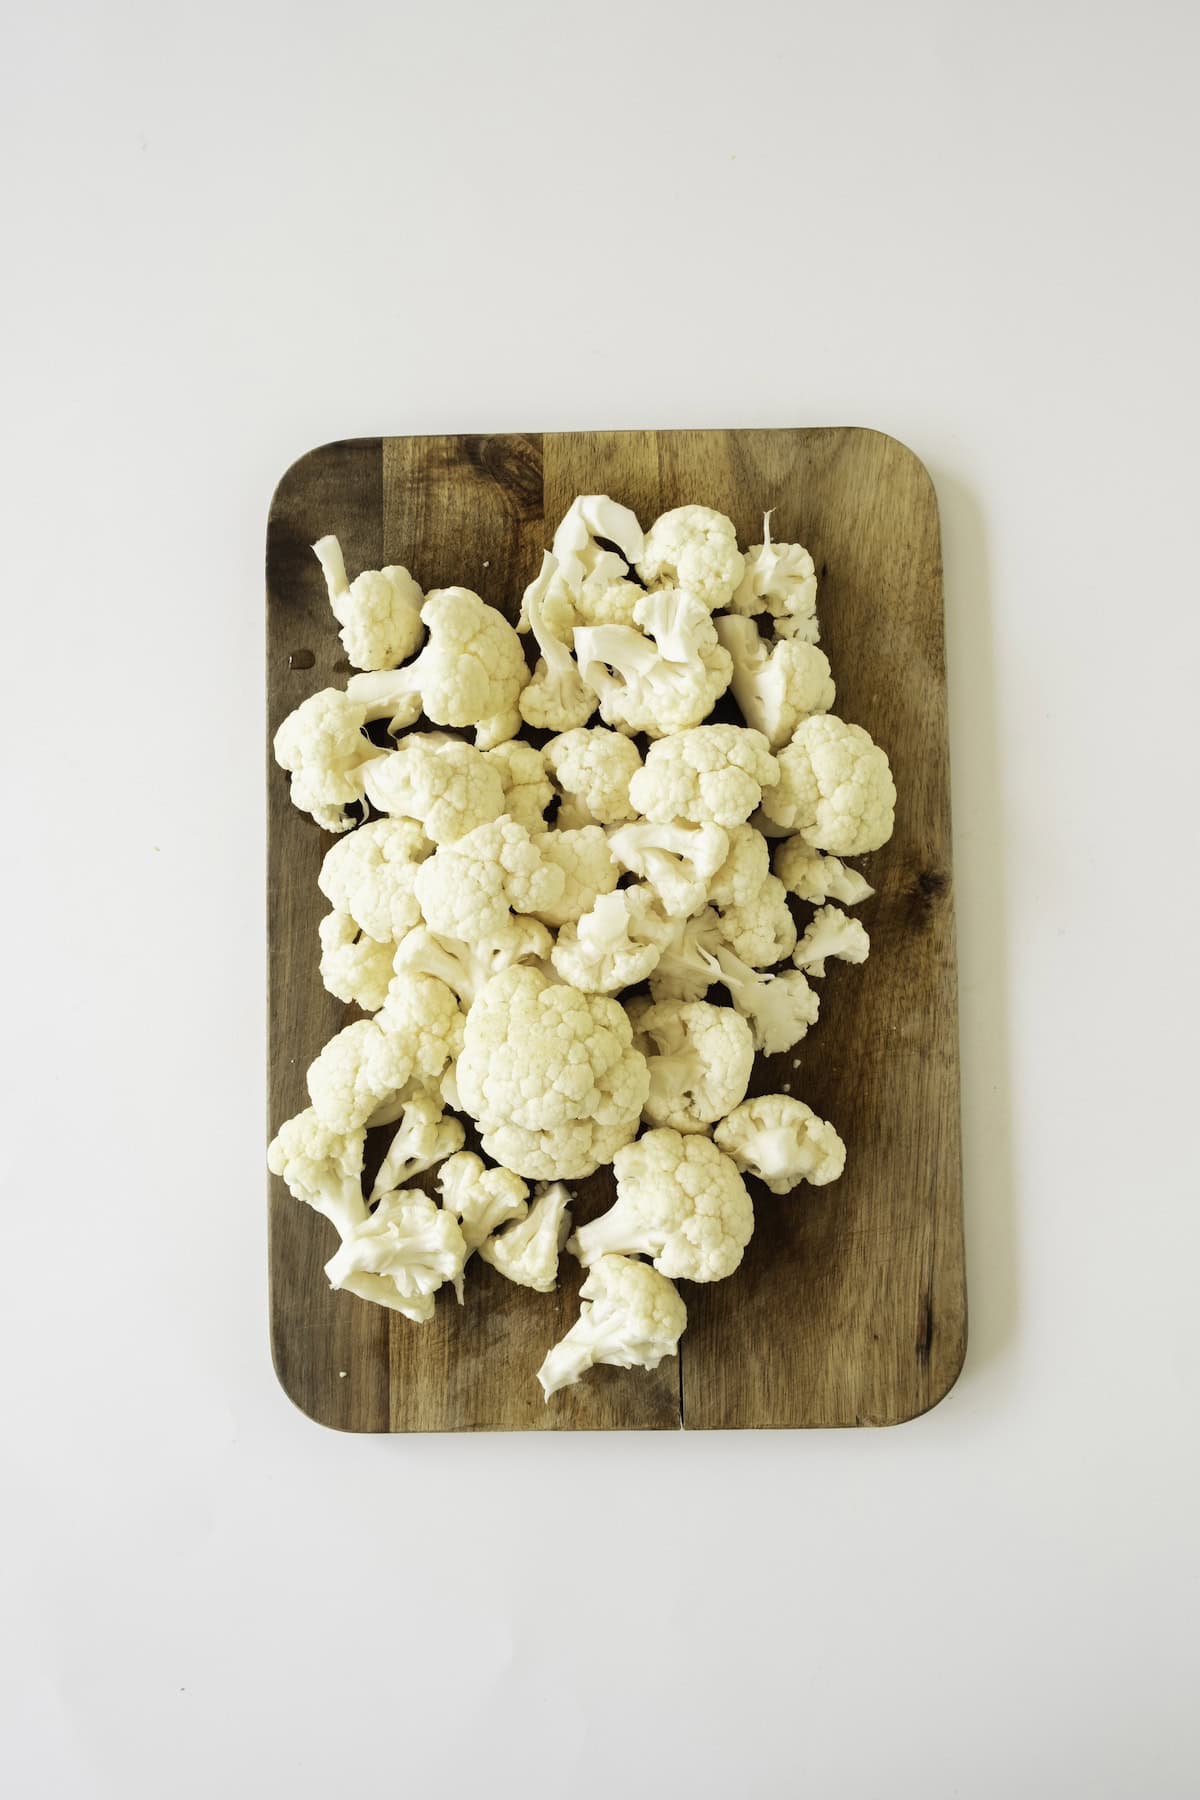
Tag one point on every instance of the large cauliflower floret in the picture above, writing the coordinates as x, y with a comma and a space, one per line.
831, 933
713, 772
528, 1251
354, 967
678, 860
811, 876
614, 945
588, 870
695, 548
528, 790
370, 876
401, 1254
681, 1202
481, 1198
744, 870
379, 611
446, 786
783, 1142
321, 1167
835, 788
700, 1058
593, 769
660, 683
470, 889
630, 1317
761, 930
776, 686
422, 1018
780, 580
322, 746
465, 967
471, 672
542, 1061
360, 1074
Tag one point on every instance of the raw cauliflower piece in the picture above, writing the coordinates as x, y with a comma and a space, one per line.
782, 1142
471, 888
370, 876
835, 788
528, 789
614, 945
593, 769
379, 611
400, 1255
678, 860
357, 1078
809, 875
550, 1075
471, 672
776, 686
831, 933
322, 746
778, 1008
681, 1202
465, 967
481, 1198
661, 683
744, 870
687, 967
588, 871
695, 548
555, 698
528, 1251
590, 585
354, 967
422, 1015
780, 580
630, 1317
700, 1058
424, 1137
761, 931
321, 1167
711, 773
446, 786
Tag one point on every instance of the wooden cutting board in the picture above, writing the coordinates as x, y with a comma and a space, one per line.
850, 1305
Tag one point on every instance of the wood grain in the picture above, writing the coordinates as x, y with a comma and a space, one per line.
850, 1306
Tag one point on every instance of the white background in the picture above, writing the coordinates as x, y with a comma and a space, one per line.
235, 231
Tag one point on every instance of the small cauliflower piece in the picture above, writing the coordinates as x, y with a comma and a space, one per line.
588, 871
322, 746
695, 548
321, 1167
370, 876
354, 967
780, 580
379, 611
835, 788
687, 969
712, 773
630, 1317
465, 967
680, 1201
776, 686
593, 769
678, 860
481, 1198
761, 931
614, 945
422, 1016
700, 1058
528, 1251
580, 556
782, 1142
778, 1008
469, 889
446, 786
744, 870
809, 875
356, 1078
831, 933
555, 698
470, 672
658, 684
528, 789
400, 1255
424, 1137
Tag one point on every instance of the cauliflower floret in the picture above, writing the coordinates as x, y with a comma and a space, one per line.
322, 746
686, 969
744, 870
761, 931
550, 1075
678, 860
777, 685
425, 1136
447, 786
593, 769
379, 611
471, 672
323, 1168
481, 1198
783, 1142
780, 580
470, 889
835, 788
357, 1078
713, 772
528, 1251
658, 684
555, 698
779, 1008
695, 548
614, 945
355, 967
831, 933
528, 790
422, 1016
811, 876
588, 871
681, 1202
589, 585
700, 1058
631, 1317
370, 875
400, 1255
465, 967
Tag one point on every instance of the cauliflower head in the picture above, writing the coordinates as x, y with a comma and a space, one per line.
700, 1058
630, 1317
370, 875
780, 580
776, 686
782, 1142
379, 611
470, 889
835, 788
714, 773
470, 672
400, 1255
447, 787
593, 770
528, 1251
695, 548
680, 1201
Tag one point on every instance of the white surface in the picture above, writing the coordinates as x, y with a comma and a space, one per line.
242, 230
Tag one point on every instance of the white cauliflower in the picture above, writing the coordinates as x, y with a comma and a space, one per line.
528, 1251
379, 611
481, 1198
370, 876
469, 889
465, 967
658, 684
590, 585
780, 580
321, 1167
831, 933
614, 945
471, 672
778, 1008
744, 870
555, 698
354, 967
782, 1142
588, 871
678, 860
699, 1056
422, 1015
360, 1074
630, 1317
687, 967
775, 685
322, 746
809, 875
711, 773
446, 786
593, 770
400, 1255
680, 1201
835, 788
424, 1137
695, 548
761, 930
528, 789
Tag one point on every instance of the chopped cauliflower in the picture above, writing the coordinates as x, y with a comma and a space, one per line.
379, 611
588, 871
776, 686
695, 548
323, 747
370, 876
593, 769
699, 1056
630, 1317
555, 698
641, 687
678, 860
831, 933
744, 870
615, 944
711, 773
809, 875
356, 1079
528, 1251
778, 1008
835, 788
321, 1167
528, 790
469, 889
589, 585
782, 1142
761, 931
400, 1255
422, 1014
680, 1201
449, 788
481, 1198
465, 967
354, 967
780, 580
423, 1138
470, 672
